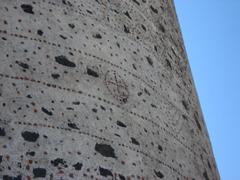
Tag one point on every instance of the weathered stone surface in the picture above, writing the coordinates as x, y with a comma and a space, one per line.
97, 89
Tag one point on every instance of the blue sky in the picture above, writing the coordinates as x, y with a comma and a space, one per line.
211, 31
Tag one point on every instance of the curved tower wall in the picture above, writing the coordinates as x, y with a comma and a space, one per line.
98, 89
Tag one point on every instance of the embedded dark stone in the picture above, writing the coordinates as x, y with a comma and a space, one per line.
78, 166
105, 172
69, 108
118, 45
117, 12
196, 118
67, 2
27, 8
72, 125
105, 150
128, 15
135, 1
97, 36
64, 2
58, 161
94, 110
205, 175
63, 37
185, 104
102, 107
124, 99
29, 96
153, 9
6, 177
134, 66
64, 61
185, 117
159, 174
121, 177
39, 172
92, 73
168, 64
161, 27
23, 65
160, 148
71, 26
55, 76
139, 93
47, 111
0, 159
98, 1
119, 123
117, 135
2, 131
88, 11
39, 32
31, 153
149, 60
153, 105
126, 29
134, 141
147, 92
143, 27
30, 136
76, 102
209, 165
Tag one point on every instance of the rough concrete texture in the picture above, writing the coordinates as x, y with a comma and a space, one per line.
98, 89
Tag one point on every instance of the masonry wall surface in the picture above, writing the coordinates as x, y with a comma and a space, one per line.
98, 89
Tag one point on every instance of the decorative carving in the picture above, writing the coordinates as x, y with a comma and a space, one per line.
116, 86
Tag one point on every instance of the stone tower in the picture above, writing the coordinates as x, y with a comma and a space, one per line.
98, 89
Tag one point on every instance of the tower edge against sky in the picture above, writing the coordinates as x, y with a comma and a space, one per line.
97, 89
